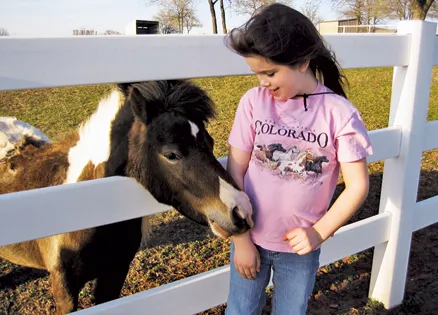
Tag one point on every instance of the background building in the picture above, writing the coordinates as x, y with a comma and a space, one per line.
142, 27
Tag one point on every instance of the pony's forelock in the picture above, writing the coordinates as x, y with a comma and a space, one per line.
181, 97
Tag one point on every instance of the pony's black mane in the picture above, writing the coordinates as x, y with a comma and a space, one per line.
178, 96
151, 99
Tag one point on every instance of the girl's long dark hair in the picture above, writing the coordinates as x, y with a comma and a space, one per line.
287, 37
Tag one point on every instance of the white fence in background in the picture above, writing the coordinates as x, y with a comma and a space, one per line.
51, 62
367, 28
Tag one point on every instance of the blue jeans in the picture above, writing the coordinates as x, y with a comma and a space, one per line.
293, 279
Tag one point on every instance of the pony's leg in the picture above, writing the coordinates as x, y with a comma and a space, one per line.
65, 291
122, 242
110, 283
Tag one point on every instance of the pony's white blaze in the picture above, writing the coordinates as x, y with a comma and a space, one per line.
194, 129
13, 131
94, 137
233, 197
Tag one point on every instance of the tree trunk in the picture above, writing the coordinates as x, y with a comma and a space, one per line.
224, 23
420, 8
213, 15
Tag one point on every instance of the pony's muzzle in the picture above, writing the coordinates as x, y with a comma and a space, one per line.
232, 223
239, 219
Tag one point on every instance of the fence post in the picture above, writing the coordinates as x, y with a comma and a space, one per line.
409, 107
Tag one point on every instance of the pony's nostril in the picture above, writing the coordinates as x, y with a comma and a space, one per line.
238, 218
237, 214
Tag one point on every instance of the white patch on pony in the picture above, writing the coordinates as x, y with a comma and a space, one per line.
12, 131
94, 137
194, 129
232, 197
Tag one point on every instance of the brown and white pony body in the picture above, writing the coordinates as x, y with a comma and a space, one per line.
151, 131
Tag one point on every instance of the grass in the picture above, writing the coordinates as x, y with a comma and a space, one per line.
179, 248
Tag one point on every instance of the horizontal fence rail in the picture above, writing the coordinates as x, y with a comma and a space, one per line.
209, 289
98, 202
108, 59
385, 143
73, 207
431, 138
183, 297
426, 213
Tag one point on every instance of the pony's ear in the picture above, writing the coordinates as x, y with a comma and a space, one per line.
142, 108
125, 88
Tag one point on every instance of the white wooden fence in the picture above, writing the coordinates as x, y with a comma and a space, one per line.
51, 62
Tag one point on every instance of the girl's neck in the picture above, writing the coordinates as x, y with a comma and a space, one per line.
309, 84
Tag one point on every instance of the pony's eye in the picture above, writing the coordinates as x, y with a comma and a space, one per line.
172, 156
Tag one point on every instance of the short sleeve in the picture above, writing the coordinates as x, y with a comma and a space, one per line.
242, 133
352, 141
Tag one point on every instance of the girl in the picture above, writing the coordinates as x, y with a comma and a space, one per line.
290, 138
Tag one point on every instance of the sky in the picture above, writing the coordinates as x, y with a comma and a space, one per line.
53, 18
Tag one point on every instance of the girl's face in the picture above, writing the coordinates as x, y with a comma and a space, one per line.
282, 81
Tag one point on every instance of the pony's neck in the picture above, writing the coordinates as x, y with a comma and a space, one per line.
119, 142
94, 143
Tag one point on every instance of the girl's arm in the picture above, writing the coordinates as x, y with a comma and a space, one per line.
237, 164
356, 180
355, 174
246, 257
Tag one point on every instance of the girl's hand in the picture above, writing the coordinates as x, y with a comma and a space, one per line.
246, 258
303, 240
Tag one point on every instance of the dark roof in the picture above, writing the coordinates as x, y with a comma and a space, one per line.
341, 20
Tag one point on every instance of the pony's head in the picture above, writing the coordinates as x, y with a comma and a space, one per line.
171, 154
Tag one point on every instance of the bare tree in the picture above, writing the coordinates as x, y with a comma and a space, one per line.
250, 6
433, 11
4, 32
191, 21
366, 12
420, 8
310, 9
400, 10
211, 4
167, 29
410, 9
224, 22
374, 11
182, 10
168, 22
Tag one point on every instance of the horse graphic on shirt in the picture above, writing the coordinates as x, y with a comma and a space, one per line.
286, 162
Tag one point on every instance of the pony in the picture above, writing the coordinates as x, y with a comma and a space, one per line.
154, 132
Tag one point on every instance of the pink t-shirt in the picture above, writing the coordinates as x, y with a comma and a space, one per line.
294, 164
